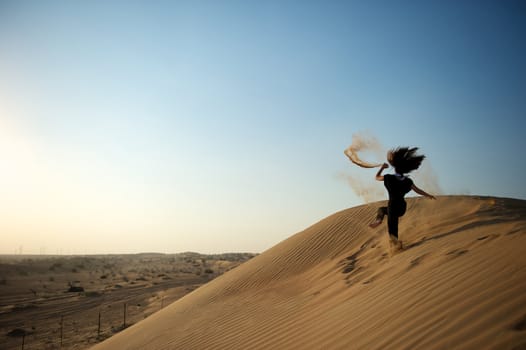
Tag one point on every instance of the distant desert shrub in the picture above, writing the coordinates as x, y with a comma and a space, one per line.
117, 329
209, 271
103, 277
18, 332
75, 287
20, 307
22, 272
55, 266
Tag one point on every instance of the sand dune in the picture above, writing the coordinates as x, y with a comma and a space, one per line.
460, 284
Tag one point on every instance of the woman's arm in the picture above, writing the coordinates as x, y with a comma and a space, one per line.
379, 175
422, 192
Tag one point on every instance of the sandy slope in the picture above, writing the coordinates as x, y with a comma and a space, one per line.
460, 284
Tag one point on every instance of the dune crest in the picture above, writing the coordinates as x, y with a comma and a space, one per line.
460, 283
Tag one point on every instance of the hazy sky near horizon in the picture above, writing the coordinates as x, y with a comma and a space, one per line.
214, 126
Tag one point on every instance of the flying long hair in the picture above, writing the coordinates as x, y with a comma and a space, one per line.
405, 159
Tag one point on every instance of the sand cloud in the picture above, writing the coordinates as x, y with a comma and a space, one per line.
366, 151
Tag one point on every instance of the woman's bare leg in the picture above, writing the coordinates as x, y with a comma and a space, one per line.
382, 211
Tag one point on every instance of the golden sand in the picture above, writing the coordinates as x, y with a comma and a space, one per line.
460, 283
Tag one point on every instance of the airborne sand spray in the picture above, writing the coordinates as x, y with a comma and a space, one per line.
364, 185
363, 143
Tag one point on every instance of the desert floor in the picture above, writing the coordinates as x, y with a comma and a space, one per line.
460, 283
50, 298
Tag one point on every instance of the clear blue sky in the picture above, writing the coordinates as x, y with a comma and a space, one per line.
214, 126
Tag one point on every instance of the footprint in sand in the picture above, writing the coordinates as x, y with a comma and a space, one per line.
488, 238
520, 325
417, 261
457, 252
349, 263
517, 230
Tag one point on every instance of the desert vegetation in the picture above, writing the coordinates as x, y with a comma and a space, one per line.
48, 302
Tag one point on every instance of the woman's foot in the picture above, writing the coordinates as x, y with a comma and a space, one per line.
375, 224
395, 243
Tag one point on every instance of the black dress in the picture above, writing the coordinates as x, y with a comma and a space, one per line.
397, 186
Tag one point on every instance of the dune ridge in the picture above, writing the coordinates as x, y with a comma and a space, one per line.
460, 283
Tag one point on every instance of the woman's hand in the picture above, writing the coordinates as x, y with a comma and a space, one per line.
422, 192
379, 176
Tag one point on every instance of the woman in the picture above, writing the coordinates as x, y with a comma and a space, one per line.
404, 160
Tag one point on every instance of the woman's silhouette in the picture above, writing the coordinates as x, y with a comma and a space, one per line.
404, 160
